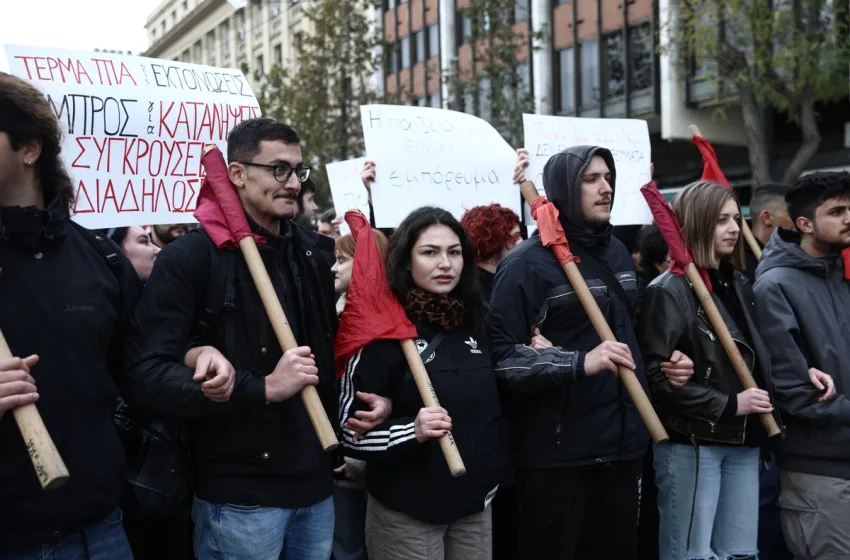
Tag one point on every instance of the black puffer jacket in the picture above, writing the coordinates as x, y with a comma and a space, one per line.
557, 417
672, 319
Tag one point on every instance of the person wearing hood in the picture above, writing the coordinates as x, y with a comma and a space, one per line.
802, 303
63, 313
577, 439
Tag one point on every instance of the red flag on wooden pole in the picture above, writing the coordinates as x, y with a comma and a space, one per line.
372, 312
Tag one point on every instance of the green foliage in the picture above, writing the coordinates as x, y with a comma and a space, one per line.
320, 93
495, 87
783, 51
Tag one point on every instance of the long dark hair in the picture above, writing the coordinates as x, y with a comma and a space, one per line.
398, 261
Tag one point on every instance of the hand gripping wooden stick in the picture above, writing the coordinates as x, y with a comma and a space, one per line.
600, 325
429, 397
49, 467
309, 395
745, 227
719, 325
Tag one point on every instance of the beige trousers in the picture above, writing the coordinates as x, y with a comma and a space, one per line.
391, 535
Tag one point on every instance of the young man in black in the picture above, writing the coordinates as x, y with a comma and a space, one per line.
264, 484
63, 309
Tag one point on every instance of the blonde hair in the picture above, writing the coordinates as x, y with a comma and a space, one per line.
697, 207
346, 245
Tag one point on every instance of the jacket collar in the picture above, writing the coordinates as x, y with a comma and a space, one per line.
32, 228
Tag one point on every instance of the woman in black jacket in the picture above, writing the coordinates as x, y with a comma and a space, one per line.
707, 475
415, 506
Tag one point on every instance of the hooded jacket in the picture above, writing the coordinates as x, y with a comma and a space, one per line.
558, 417
61, 300
803, 313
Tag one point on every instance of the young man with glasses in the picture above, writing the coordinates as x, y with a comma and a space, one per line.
264, 484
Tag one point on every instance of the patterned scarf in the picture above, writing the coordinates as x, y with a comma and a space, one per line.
444, 312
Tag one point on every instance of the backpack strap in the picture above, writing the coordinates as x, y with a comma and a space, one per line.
599, 270
105, 247
220, 294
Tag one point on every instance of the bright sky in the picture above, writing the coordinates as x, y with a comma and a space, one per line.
75, 24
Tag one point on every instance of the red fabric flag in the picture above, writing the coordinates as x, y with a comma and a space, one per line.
371, 312
671, 231
845, 254
551, 231
711, 168
219, 209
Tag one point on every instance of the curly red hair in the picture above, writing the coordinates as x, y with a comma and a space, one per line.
489, 228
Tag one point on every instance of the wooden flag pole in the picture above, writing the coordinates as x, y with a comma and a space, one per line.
49, 466
603, 329
429, 397
728, 343
745, 227
282, 330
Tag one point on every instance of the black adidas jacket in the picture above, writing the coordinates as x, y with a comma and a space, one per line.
411, 477
557, 416
60, 299
248, 452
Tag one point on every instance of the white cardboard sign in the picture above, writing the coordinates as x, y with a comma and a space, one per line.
628, 140
426, 156
134, 128
347, 189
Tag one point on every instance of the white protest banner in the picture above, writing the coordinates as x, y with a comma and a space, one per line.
347, 189
134, 128
426, 156
628, 140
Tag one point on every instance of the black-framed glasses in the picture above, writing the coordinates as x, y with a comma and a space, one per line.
283, 171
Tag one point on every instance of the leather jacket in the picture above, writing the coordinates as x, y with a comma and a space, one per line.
672, 319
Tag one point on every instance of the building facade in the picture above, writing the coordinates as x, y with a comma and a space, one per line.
226, 34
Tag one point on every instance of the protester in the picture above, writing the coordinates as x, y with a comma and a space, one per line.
163, 234
307, 207
493, 231
577, 439
768, 211
802, 302
328, 224
349, 493
138, 248
707, 475
64, 310
264, 484
416, 509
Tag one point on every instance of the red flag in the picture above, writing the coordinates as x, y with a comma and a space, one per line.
551, 231
371, 312
219, 209
671, 231
711, 167
845, 254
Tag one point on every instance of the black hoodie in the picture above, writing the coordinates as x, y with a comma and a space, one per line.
557, 417
59, 299
803, 314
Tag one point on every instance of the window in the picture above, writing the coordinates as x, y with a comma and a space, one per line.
211, 47
589, 52
405, 53
260, 68
275, 8
615, 74
567, 71
173, 17
225, 35
641, 54
484, 94
391, 58
420, 46
523, 73
434, 100
433, 41
184, 8
163, 27
464, 30
521, 10
278, 55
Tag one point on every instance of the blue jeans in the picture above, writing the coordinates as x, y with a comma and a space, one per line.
229, 532
350, 525
101, 540
726, 512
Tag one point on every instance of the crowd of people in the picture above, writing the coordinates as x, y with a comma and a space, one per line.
160, 378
